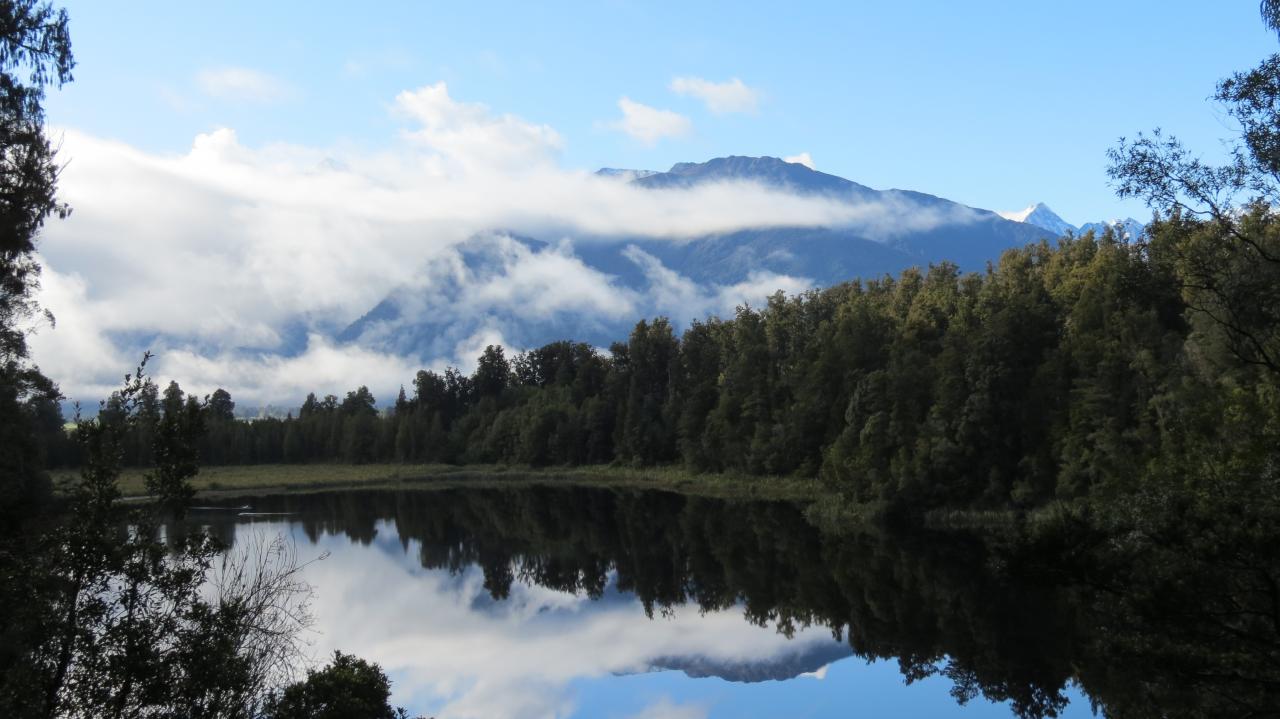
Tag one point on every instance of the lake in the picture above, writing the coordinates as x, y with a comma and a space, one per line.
577, 602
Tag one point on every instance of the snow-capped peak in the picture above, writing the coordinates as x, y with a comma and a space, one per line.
1040, 215
1018, 215
1127, 229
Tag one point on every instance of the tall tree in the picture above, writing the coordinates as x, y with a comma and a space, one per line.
35, 52
492, 374
220, 406
1217, 225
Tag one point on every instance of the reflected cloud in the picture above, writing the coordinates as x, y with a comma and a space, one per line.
557, 601
455, 650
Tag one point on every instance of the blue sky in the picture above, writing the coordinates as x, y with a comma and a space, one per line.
994, 104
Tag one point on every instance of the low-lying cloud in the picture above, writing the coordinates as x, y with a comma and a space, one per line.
237, 262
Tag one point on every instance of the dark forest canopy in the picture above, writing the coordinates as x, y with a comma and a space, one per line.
1066, 370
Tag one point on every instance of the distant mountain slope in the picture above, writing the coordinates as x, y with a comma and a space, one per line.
808, 660
1128, 228
770, 171
624, 174
641, 276
967, 236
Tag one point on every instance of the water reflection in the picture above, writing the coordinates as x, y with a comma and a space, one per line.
504, 602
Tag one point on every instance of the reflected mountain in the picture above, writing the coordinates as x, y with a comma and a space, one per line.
560, 569
778, 668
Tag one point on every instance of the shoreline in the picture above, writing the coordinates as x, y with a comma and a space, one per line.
249, 480
822, 506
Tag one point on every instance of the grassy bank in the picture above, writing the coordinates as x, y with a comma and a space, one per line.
826, 510
276, 478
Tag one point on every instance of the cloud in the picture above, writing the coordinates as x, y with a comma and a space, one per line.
75, 350
90, 360
522, 657
820, 673
228, 258
649, 124
242, 84
719, 97
323, 367
498, 285
802, 159
468, 134
679, 297
538, 284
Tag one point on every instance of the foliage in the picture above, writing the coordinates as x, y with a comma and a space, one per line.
1270, 14
122, 622
1047, 378
35, 51
347, 688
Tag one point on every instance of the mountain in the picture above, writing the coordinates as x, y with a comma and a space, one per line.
624, 174
594, 289
1041, 216
790, 665
914, 228
769, 171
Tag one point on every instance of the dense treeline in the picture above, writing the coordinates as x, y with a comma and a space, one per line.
1066, 369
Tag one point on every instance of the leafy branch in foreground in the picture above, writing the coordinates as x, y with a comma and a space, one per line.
1216, 223
124, 623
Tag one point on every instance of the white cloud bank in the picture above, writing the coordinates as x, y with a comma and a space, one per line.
649, 124
719, 97
683, 299
226, 257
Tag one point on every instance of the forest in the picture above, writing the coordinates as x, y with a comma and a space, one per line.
1088, 366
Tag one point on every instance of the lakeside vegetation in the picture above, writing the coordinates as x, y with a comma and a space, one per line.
239, 480
1092, 369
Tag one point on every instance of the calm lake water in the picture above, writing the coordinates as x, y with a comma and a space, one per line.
572, 602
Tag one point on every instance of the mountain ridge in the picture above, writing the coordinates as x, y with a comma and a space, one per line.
687, 279
1040, 215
